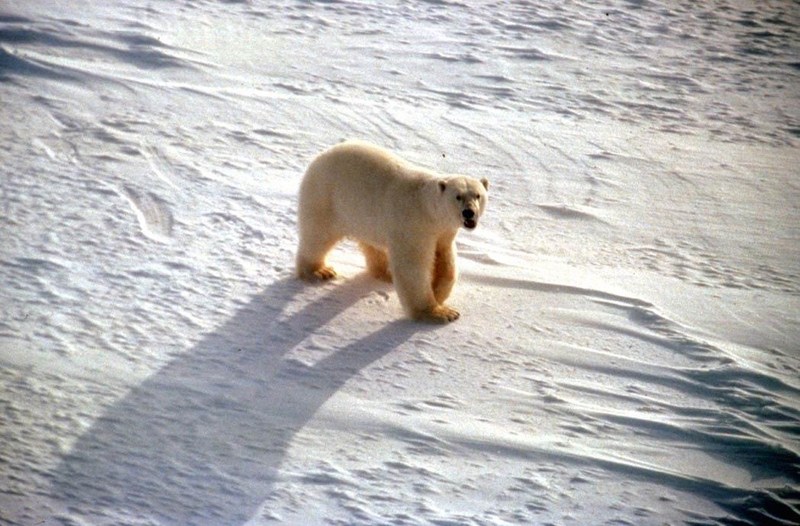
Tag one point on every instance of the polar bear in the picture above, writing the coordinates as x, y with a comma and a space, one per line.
405, 219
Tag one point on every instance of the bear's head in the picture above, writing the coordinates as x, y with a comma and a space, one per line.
463, 199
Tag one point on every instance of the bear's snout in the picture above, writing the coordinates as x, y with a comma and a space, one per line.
470, 218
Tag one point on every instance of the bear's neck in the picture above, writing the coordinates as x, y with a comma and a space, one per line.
431, 200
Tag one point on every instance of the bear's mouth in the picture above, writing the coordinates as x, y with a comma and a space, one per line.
470, 224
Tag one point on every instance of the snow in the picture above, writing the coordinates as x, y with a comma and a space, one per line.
628, 347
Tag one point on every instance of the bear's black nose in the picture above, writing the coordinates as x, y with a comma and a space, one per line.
467, 213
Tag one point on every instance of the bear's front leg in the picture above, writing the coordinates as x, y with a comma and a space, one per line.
411, 266
444, 270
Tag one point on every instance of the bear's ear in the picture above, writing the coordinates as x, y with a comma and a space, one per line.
485, 183
442, 186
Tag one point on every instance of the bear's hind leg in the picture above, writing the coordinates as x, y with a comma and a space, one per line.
377, 262
311, 254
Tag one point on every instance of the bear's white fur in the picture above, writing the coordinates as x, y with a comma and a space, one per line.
405, 219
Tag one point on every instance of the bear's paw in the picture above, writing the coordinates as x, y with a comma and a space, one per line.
439, 314
318, 274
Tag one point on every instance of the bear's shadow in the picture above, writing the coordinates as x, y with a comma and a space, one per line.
203, 439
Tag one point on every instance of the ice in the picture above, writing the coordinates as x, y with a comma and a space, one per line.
628, 346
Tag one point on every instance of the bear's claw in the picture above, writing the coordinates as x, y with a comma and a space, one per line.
320, 274
324, 273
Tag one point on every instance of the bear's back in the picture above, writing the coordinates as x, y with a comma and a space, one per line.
365, 190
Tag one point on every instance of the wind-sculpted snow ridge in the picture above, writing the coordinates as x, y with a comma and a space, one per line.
627, 351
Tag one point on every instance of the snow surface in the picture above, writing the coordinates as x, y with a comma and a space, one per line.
628, 347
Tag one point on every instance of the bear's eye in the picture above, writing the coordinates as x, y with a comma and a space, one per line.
458, 198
